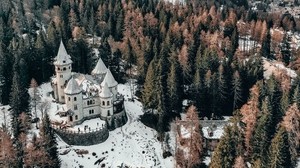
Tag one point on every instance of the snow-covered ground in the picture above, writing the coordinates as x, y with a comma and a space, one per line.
271, 67
134, 144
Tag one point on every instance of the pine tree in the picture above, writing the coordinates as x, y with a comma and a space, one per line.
149, 93
262, 135
174, 88
279, 151
291, 122
265, 47
49, 141
226, 152
237, 90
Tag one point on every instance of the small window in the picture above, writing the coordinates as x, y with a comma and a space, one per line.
108, 103
108, 112
88, 102
61, 76
69, 98
75, 98
64, 61
64, 68
75, 107
93, 101
58, 68
76, 117
71, 118
69, 67
103, 103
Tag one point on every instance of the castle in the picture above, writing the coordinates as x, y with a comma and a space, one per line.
85, 96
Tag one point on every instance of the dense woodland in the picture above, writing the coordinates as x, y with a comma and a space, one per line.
174, 52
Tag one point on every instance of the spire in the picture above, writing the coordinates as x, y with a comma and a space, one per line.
62, 57
109, 79
72, 87
100, 68
105, 93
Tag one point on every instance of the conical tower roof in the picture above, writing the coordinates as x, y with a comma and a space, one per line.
105, 93
109, 79
72, 87
62, 57
100, 68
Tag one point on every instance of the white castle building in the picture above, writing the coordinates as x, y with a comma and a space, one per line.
87, 96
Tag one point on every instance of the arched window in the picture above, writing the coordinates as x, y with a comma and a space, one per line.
103, 103
108, 112
108, 103
88, 102
75, 98
76, 117
64, 68
69, 98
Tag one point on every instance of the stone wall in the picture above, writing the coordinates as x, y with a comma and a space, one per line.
83, 138
117, 120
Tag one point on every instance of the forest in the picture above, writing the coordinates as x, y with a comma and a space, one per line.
175, 52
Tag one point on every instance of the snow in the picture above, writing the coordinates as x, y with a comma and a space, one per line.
271, 67
217, 132
133, 145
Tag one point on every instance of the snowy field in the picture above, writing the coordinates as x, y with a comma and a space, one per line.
134, 144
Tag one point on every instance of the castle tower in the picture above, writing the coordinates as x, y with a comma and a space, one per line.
111, 83
100, 69
63, 68
73, 99
106, 102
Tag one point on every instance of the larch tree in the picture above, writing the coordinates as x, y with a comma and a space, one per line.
8, 152
249, 112
239, 162
189, 149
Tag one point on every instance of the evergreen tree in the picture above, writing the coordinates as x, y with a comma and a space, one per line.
149, 93
237, 90
105, 52
265, 47
262, 135
286, 49
47, 136
291, 122
174, 88
226, 151
279, 151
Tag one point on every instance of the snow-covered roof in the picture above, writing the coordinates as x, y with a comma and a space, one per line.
106, 92
62, 58
100, 68
72, 87
216, 132
109, 79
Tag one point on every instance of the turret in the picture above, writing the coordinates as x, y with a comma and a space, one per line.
99, 70
111, 83
63, 70
106, 102
73, 99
